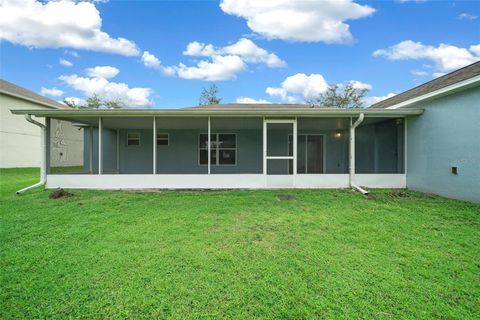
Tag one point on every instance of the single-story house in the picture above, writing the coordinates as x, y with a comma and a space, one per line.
20, 140
419, 138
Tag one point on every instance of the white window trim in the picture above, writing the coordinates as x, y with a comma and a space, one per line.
217, 150
168, 139
139, 139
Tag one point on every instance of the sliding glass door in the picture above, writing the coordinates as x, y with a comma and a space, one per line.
310, 153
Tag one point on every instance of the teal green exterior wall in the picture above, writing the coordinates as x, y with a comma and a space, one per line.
446, 135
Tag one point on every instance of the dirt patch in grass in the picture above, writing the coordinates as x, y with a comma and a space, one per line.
399, 194
285, 197
60, 194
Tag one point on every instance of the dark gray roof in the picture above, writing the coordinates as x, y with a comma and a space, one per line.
22, 93
459, 75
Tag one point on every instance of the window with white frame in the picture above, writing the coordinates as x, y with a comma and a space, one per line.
223, 149
133, 138
162, 139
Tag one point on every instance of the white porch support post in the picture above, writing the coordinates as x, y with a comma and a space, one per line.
352, 154
295, 147
208, 144
118, 150
90, 168
154, 145
405, 132
264, 146
100, 142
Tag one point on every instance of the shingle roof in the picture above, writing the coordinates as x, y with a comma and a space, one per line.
22, 93
451, 78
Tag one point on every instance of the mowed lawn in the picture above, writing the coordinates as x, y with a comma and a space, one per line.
236, 254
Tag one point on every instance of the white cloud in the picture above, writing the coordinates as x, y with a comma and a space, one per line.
280, 93
220, 68
368, 101
106, 72
361, 85
198, 49
419, 73
310, 21
75, 100
300, 84
226, 61
251, 53
248, 100
475, 49
467, 16
446, 57
131, 97
59, 24
53, 92
72, 53
150, 61
65, 63
244, 48
301, 87
223, 63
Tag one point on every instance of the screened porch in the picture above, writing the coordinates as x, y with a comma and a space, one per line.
233, 152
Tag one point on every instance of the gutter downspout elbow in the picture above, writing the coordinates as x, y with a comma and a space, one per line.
43, 142
352, 155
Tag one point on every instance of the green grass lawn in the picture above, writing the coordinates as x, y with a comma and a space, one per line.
236, 254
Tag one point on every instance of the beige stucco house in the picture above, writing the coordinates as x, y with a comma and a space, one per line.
20, 140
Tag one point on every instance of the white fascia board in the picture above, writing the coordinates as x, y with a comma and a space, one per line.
439, 92
72, 114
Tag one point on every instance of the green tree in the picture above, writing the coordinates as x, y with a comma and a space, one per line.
70, 103
340, 96
113, 104
209, 96
93, 102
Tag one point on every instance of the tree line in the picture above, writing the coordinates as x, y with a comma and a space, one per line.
336, 96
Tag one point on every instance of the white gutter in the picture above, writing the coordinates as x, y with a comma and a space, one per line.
43, 162
352, 155
219, 112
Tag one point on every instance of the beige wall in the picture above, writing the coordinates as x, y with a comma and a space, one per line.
20, 140
66, 144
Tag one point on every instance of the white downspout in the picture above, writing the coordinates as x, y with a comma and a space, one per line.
43, 160
352, 155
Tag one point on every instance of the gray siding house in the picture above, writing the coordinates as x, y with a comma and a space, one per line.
393, 144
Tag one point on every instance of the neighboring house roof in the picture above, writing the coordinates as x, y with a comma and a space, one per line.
442, 84
13, 90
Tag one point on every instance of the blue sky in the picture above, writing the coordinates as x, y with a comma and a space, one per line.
292, 49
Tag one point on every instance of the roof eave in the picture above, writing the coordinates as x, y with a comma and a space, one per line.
52, 106
220, 112
465, 84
